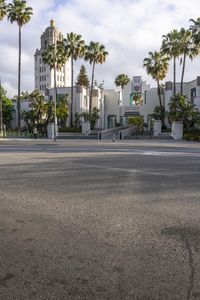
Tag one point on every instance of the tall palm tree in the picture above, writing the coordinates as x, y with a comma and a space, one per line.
3, 9
122, 80
157, 66
95, 53
75, 48
187, 49
171, 47
195, 29
20, 13
55, 57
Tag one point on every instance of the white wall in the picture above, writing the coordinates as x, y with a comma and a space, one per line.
111, 107
150, 101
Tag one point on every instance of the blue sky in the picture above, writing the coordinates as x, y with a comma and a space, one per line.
129, 29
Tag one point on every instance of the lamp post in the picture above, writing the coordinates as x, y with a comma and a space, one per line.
55, 89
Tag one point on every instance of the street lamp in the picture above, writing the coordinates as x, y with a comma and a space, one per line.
55, 89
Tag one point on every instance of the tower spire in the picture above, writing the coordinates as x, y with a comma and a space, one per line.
52, 23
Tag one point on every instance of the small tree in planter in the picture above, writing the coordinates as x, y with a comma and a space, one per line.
182, 110
91, 117
159, 114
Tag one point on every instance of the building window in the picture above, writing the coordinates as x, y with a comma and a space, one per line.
193, 94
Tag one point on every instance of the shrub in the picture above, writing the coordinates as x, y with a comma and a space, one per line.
69, 129
136, 121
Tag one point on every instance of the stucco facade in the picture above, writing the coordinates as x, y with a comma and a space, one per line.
44, 76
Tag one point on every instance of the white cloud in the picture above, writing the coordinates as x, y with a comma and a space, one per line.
129, 29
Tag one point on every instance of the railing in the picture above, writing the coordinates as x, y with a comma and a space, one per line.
109, 133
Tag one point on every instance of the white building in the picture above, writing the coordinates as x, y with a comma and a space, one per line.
81, 101
44, 76
191, 89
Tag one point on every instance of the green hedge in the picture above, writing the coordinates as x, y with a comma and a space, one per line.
69, 129
192, 135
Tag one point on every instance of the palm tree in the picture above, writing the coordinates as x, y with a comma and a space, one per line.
157, 66
122, 80
3, 9
195, 29
38, 105
55, 57
171, 47
75, 48
187, 49
21, 14
95, 53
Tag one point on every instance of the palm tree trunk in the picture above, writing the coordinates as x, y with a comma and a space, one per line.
159, 94
183, 71
91, 91
122, 94
174, 76
19, 79
161, 106
72, 88
55, 101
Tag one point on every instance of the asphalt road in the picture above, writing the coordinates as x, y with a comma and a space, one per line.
99, 220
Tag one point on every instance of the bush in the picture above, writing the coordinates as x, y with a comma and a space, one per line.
136, 121
69, 129
192, 135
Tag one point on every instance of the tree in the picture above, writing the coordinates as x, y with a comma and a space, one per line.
74, 48
187, 49
171, 47
55, 57
91, 117
157, 66
138, 122
7, 107
28, 116
37, 101
82, 78
180, 109
21, 14
62, 109
158, 113
195, 29
95, 53
3, 9
122, 80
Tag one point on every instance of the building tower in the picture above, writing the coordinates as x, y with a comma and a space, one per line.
44, 76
